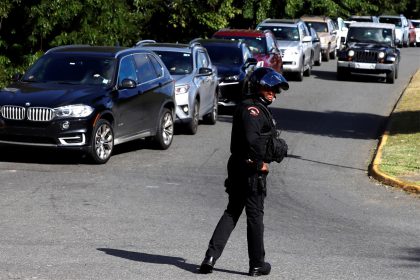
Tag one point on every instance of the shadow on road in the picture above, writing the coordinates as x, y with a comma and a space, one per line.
158, 259
353, 77
412, 255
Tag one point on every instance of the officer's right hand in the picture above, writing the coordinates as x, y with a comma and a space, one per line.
264, 168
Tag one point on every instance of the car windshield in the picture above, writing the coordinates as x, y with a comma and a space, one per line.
283, 33
72, 69
396, 21
225, 55
370, 35
257, 45
318, 26
178, 63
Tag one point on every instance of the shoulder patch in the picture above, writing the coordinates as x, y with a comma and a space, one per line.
253, 111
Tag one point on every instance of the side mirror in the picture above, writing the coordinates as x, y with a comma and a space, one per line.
204, 71
307, 39
128, 83
250, 61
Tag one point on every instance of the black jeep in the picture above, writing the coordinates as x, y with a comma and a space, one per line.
369, 48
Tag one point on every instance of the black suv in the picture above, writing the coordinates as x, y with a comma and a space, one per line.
89, 98
233, 60
369, 48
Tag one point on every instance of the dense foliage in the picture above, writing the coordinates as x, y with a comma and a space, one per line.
29, 27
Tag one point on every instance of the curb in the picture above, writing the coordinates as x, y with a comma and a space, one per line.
374, 166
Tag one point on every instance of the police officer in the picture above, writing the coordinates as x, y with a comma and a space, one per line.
252, 127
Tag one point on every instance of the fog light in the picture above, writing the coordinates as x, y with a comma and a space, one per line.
65, 125
184, 109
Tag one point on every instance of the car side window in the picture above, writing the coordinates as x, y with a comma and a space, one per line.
145, 68
271, 44
127, 70
156, 65
202, 60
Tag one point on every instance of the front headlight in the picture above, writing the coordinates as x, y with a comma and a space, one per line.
182, 89
232, 78
381, 55
73, 111
350, 53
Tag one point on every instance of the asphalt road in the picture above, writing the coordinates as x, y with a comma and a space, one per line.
148, 214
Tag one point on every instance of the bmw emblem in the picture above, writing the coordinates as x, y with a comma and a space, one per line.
27, 104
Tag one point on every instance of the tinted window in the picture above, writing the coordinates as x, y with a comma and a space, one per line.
156, 66
75, 69
416, 24
127, 69
396, 21
380, 35
318, 26
145, 70
178, 63
225, 54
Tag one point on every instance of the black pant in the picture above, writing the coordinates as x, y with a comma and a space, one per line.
245, 191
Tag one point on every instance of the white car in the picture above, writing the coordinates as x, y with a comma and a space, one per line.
341, 31
295, 43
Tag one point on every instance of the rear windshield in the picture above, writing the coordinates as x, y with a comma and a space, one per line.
285, 33
318, 26
396, 21
178, 63
258, 45
225, 55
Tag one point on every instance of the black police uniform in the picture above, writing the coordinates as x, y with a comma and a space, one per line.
246, 185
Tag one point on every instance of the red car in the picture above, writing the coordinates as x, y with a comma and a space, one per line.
263, 45
411, 34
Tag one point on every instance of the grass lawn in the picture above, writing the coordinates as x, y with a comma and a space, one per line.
401, 153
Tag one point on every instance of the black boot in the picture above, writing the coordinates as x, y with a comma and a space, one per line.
260, 270
207, 265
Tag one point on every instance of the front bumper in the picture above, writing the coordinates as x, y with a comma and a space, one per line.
230, 93
65, 133
361, 67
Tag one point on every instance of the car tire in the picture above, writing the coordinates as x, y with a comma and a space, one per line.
307, 72
102, 142
327, 55
165, 131
333, 54
396, 71
192, 126
390, 77
299, 75
211, 118
342, 74
319, 61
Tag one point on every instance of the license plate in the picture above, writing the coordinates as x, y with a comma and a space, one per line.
365, 65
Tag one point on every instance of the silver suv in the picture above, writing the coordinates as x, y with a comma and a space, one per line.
401, 28
196, 85
295, 43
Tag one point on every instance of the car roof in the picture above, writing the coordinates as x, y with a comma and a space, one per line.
87, 49
315, 18
391, 16
281, 21
240, 32
372, 25
224, 42
173, 47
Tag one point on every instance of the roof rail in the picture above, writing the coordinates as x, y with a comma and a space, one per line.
65, 46
194, 44
143, 42
195, 40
